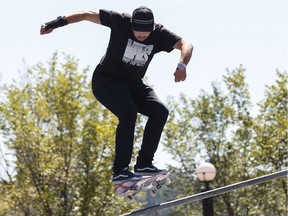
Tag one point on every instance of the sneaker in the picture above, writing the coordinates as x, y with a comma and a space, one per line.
125, 175
148, 170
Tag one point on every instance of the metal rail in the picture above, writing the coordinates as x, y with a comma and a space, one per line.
211, 193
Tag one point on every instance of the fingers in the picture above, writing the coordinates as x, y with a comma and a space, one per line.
44, 30
180, 75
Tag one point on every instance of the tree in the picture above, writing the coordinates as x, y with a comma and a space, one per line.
220, 129
270, 145
63, 141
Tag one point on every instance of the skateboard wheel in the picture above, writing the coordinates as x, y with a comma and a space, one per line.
144, 187
152, 193
167, 181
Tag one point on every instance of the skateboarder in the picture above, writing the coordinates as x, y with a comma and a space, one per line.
117, 80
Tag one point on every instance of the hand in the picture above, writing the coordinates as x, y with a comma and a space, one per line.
180, 74
43, 30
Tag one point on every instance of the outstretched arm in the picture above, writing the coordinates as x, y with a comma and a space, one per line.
71, 18
186, 49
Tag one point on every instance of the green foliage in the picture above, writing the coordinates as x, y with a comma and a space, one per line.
272, 126
63, 141
220, 129
270, 144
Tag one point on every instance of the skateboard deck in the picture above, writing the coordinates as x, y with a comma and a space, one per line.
151, 184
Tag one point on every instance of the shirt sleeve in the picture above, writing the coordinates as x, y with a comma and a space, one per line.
167, 39
109, 18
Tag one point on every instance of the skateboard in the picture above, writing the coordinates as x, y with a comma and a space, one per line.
129, 189
155, 183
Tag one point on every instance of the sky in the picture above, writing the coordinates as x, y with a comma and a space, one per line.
225, 34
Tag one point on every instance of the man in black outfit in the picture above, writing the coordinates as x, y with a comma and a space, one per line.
117, 80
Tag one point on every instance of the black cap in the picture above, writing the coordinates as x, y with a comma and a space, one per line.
143, 19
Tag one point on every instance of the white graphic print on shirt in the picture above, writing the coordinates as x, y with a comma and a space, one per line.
136, 54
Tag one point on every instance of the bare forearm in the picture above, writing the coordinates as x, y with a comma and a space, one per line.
186, 49
186, 53
83, 16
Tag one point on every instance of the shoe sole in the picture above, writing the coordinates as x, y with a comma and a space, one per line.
150, 173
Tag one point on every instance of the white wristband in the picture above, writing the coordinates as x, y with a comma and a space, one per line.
181, 66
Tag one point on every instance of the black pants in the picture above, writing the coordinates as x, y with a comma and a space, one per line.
125, 103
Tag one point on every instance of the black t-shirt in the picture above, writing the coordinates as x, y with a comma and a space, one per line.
126, 60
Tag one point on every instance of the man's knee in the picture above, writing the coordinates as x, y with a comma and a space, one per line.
162, 113
165, 112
